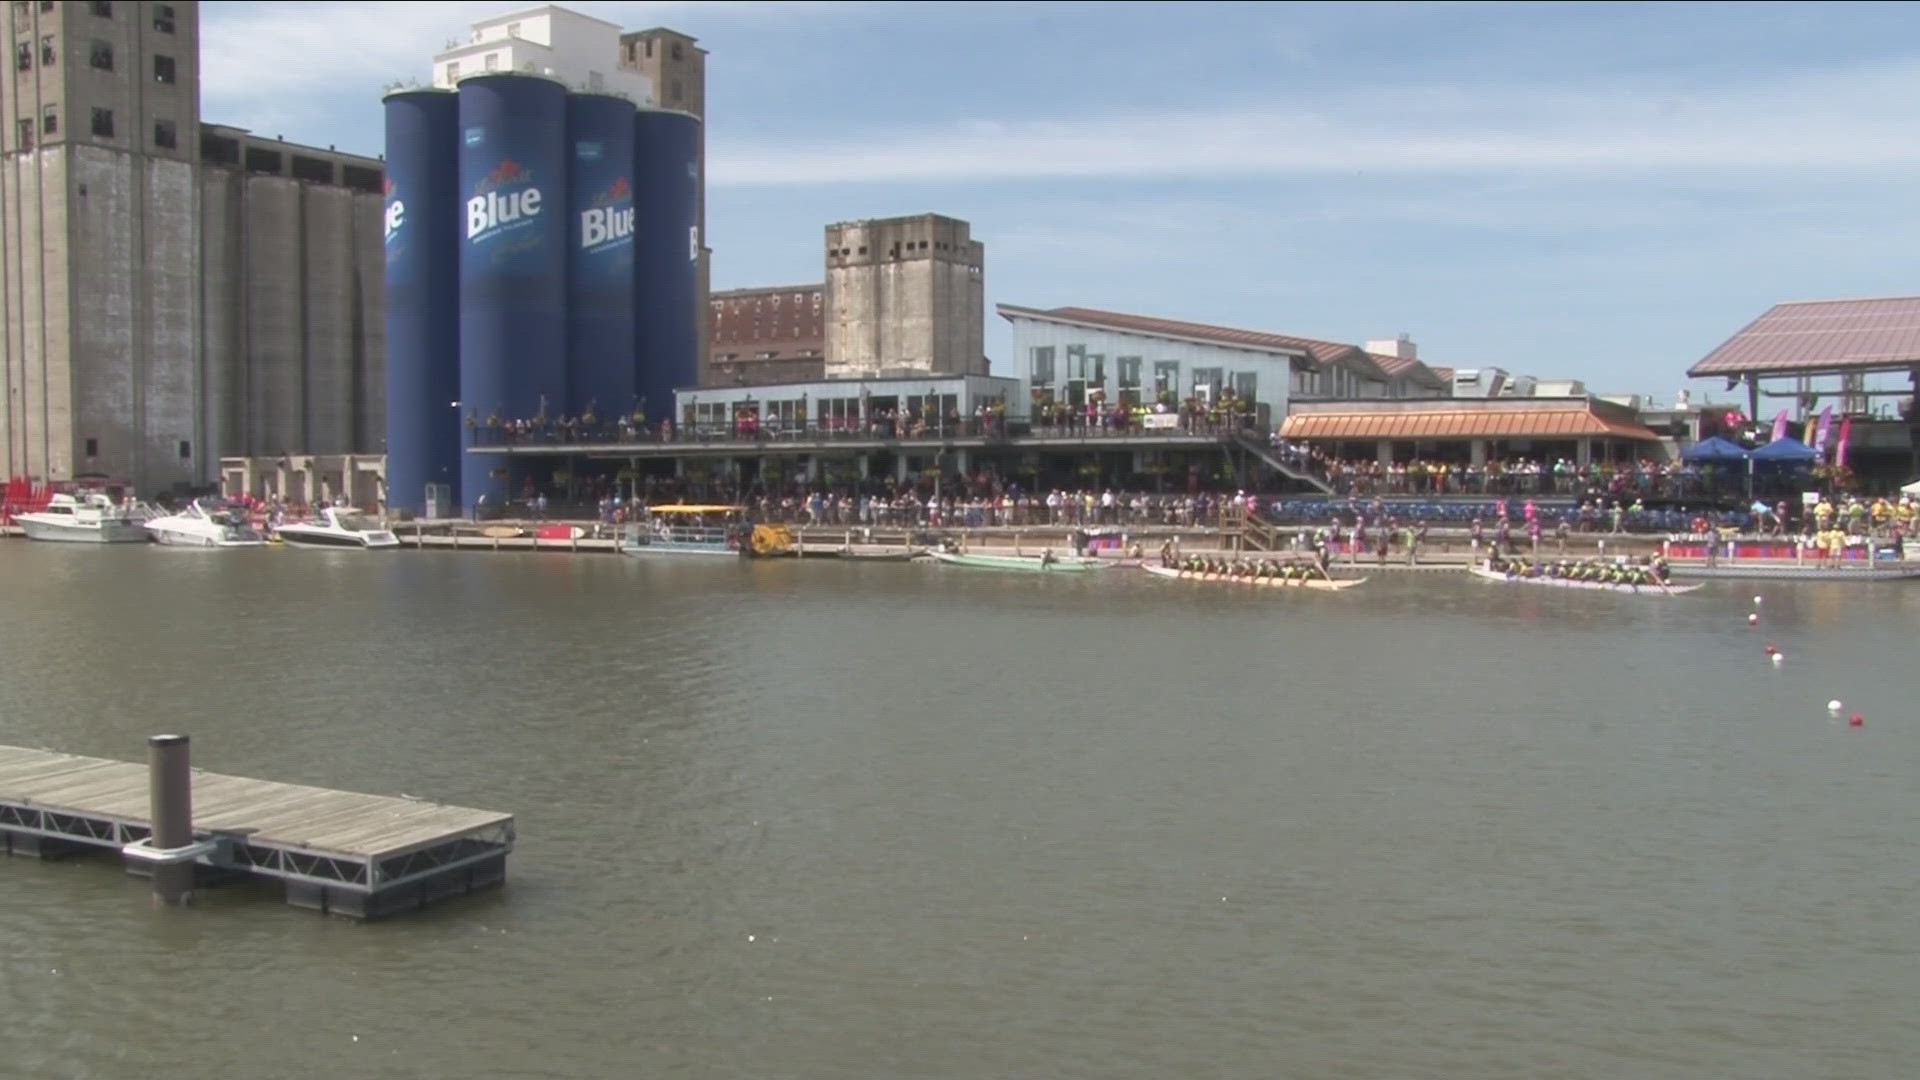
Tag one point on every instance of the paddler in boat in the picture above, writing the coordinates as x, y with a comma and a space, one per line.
1046, 557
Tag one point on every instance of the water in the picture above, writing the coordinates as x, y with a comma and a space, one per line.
830, 820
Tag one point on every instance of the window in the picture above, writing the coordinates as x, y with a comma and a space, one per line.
50, 120
674, 90
100, 55
1043, 364
163, 69
102, 9
513, 29
163, 18
186, 450
676, 50
46, 6
1099, 369
48, 54
93, 448
164, 135
1076, 361
453, 71
1129, 372
103, 123
1206, 382
493, 61
1166, 377
23, 56
1245, 385
23, 129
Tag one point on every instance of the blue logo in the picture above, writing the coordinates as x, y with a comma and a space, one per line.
588, 151
476, 136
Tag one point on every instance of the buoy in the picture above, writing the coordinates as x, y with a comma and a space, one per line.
1779, 658
1753, 620
1856, 721
1756, 601
1771, 650
1833, 706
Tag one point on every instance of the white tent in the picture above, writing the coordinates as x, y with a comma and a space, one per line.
1913, 488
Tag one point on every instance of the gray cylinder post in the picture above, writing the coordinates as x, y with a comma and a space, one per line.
170, 789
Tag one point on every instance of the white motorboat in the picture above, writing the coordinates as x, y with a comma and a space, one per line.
338, 528
199, 526
88, 518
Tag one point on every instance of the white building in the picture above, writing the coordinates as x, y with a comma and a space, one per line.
581, 51
1064, 354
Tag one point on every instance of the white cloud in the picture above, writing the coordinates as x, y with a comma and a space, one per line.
1848, 119
268, 64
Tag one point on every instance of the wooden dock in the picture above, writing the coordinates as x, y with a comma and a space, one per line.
363, 856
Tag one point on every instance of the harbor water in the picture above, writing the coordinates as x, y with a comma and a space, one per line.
887, 820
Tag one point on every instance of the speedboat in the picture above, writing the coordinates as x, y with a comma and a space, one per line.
338, 528
198, 526
90, 518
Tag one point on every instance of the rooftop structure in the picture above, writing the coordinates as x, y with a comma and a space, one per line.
1551, 419
579, 50
1818, 337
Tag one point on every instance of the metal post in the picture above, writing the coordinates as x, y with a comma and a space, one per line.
170, 789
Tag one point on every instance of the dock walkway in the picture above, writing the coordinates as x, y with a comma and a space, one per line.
358, 855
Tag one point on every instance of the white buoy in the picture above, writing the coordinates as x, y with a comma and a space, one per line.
1757, 601
1753, 620
1779, 658
1833, 706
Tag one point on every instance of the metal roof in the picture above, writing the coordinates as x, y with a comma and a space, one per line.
1321, 353
1415, 371
1815, 336
1576, 421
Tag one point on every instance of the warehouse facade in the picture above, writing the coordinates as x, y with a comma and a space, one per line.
171, 291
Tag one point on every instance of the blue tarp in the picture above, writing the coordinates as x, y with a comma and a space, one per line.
1785, 450
1714, 449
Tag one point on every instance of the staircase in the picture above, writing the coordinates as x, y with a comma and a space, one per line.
1248, 532
1304, 473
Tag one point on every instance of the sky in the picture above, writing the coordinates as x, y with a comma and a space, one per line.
1593, 191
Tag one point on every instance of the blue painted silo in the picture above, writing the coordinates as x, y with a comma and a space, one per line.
422, 297
513, 257
666, 147
600, 334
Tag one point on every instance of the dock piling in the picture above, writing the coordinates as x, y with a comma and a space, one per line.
170, 790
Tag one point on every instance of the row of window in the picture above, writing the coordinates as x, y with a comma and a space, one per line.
774, 298
186, 449
1091, 369
166, 135
102, 9
99, 57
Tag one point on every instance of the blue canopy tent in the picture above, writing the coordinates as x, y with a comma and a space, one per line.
1786, 452
1714, 449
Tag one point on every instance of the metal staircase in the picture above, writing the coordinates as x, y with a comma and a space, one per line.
1291, 470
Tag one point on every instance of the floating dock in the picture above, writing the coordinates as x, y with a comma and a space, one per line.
361, 856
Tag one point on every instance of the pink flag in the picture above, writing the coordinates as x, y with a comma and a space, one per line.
1820, 433
1840, 453
1779, 427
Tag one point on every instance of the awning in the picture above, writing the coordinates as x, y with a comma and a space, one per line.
1572, 423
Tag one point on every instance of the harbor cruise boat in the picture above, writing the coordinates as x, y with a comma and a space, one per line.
338, 528
201, 526
703, 530
87, 518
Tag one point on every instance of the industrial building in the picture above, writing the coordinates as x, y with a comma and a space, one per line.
170, 291
905, 296
772, 334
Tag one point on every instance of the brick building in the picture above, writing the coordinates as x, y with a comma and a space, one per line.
766, 335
